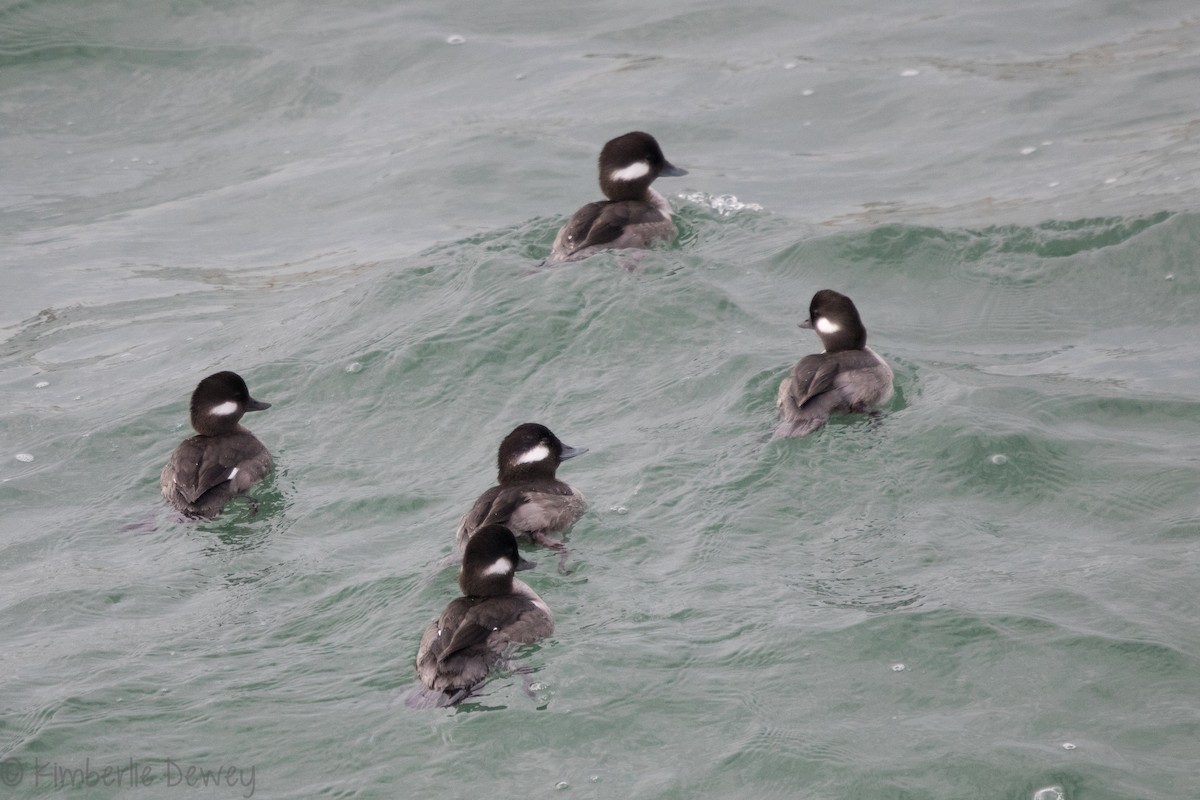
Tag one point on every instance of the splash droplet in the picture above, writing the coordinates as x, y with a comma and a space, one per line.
898, 668
1049, 793
1068, 746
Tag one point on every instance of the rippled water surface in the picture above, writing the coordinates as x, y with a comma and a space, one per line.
990, 593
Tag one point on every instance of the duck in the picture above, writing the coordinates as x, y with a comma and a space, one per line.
847, 377
472, 636
224, 459
634, 215
528, 498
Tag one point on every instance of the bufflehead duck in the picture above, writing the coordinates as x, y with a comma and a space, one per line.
634, 215
224, 459
848, 376
528, 498
471, 636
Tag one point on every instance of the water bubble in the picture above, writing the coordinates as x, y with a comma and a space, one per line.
1025, 151
790, 65
1049, 793
1170, 276
354, 366
562, 785
1068, 746
898, 668
998, 458
594, 778
456, 39
24, 458
1052, 184
41, 384
910, 73
807, 93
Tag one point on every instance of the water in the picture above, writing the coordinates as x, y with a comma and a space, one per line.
988, 595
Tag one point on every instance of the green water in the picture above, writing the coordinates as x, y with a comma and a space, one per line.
988, 594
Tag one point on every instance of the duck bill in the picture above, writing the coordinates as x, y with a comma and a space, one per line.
257, 405
669, 170
571, 452
523, 564
807, 325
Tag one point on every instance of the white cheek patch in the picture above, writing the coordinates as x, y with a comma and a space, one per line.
631, 173
827, 327
539, 453
502, 567
233, 474
225, 409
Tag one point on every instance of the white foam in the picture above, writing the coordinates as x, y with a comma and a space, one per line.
1049, 793
634, 171
725, 204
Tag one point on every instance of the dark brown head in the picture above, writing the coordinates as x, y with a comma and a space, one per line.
490, 560
219, 402
532, 451
630, 163
835, 319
